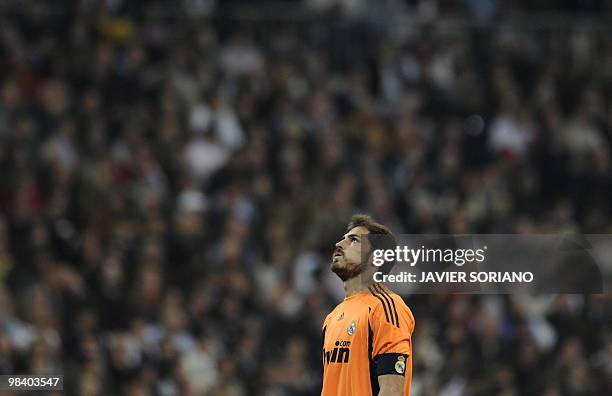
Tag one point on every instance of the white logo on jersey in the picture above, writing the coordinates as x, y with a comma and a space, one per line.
351, 328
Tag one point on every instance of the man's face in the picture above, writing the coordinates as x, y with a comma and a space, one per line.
346, 259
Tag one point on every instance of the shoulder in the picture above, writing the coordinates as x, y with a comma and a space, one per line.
380, 297
386, 304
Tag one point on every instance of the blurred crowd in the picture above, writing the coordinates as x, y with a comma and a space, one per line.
171, 190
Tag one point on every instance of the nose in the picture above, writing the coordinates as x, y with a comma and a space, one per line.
340, 244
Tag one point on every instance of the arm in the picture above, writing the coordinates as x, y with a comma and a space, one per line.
391, 370
392, 346
391, 385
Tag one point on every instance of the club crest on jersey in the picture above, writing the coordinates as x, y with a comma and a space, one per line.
351, 329
400, 365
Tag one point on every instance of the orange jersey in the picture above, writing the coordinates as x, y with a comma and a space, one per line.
367, 335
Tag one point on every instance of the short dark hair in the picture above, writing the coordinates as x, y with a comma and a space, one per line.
380, 236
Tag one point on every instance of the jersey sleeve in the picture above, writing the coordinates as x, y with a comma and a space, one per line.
391, 330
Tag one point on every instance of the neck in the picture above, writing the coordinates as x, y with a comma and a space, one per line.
354, 285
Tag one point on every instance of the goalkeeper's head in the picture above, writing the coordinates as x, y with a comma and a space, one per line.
352, 255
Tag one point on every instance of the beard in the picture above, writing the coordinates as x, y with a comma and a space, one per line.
348, 271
